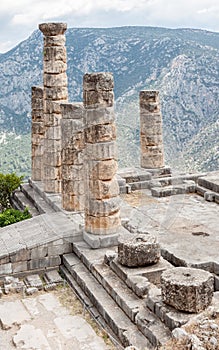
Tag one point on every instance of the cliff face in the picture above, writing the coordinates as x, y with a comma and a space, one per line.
183, 64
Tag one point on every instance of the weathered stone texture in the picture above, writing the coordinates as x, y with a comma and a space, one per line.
55, 92
102, 209
139, 250
72, 156
37, 135
187, 289
152, 154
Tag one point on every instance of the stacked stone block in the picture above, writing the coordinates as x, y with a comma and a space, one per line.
37, 136
72, 156
152, 153
102, 210
55, 92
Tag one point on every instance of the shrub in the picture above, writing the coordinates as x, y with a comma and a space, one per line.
8, 183
10, 216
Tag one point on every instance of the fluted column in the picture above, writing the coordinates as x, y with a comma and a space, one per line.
55, 92
72, 134
102, 209
152, 152
37, 134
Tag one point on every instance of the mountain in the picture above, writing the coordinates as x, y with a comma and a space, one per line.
182, 63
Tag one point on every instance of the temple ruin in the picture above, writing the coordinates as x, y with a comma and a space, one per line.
137, 245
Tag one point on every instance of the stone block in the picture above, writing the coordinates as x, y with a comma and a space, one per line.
56, 93
50, 80
72, 135
102, 115
52, 107
72, 110
20, 255
97, 99
100, 133
39, 252
53, 41
37, 103
97, 241
51, 173
71, 156
53, 29
34, 281
59, 249
44, 262
53, 277
73, 172
101, 151
98, 81
52, 145
52, 159
20, 266
187, 289
102, 207
55, 67
102, 170
139, 250
6, 269
52, 120
103, 189
209, 196
73, 187
55, 53
53, 133
103, 225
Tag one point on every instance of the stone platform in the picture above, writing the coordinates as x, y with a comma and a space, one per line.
128, 299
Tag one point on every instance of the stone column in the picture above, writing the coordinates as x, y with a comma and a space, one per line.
37, 136
102, 209
152, 153
72, 135
55, 92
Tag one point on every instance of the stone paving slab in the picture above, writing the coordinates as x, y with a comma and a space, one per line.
41, 322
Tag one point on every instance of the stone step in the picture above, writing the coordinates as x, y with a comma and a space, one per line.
34, 197
120, 324
20, 202
210, 182
208, 195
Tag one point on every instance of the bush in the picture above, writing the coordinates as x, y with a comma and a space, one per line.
10, 216
8, 183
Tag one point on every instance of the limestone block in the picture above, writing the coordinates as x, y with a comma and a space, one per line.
94, 99
150, 140
53, 29
73, 187
36, 103
72, 110
187, 289
149, 101
39, 252
139, 250
101, 151
72, 172
38, 128
51, 120
73, 202
103, 189
102, 207
20, 255
72, 134
155, 161
153, 120
52, 186
20, 266
51, 173
55, 67
50, 80
52, 107
52, 158
6, 269
100, 133
103, 225
71, 156
102, 115
54, 133
37, 92
37, 115
98, 81
56, 93
52, 145
44, 262
55, 53
102, 170
57, 40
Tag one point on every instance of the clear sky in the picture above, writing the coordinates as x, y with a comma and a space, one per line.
19, 18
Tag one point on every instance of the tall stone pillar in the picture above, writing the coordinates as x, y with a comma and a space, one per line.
152, 152
37, 135
102, 208
72, 135
55, 92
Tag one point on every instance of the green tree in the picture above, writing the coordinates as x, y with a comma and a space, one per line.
10, 216
8, 183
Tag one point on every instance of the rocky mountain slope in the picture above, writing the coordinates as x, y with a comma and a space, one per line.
182, 63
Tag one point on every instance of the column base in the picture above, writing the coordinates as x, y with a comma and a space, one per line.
100, 241
159, 172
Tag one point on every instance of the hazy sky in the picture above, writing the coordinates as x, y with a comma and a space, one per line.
19, 18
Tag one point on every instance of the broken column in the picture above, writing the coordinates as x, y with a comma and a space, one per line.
187, 289
102, 208
55, 92
72, 155
152, 152
37, 135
